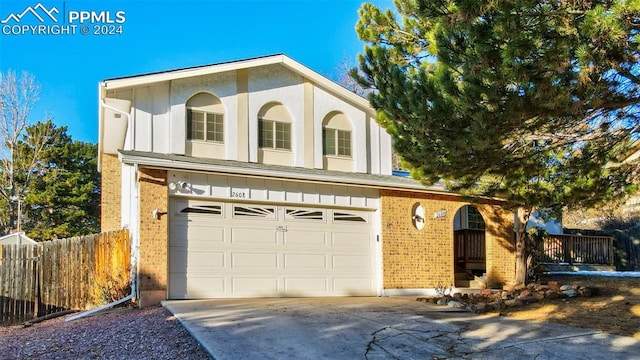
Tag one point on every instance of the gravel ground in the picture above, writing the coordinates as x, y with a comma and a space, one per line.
149, 333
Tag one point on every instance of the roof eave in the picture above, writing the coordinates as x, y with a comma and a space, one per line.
168, 164
329, 85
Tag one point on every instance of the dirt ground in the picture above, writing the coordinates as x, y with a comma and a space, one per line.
616, 310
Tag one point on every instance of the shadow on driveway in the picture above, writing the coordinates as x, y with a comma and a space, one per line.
381, 328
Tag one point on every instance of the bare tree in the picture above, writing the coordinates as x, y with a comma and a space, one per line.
18, 95
343, 77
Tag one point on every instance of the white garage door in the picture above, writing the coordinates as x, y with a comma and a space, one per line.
219, 249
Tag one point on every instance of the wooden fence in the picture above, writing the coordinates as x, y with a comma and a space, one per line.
577, 249
75, 273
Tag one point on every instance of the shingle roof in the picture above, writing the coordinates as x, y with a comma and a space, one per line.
192, 67
187, 163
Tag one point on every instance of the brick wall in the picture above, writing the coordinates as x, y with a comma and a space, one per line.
414, 259
111, 190
153, 232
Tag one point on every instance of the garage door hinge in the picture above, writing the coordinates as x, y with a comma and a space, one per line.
281, 228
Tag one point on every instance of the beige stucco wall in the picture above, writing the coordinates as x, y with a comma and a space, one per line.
424, 259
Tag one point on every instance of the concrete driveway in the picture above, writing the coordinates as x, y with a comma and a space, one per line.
381, 328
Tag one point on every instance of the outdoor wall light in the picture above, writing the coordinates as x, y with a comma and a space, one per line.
417, 216
178, 185
157, 214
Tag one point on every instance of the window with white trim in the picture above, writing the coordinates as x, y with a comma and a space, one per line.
205, 126
274, 127
205, 118
336, 135
336, 142
274, 134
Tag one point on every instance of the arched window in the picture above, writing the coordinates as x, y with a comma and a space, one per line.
205, 118
336, 135
468, 217
274, 127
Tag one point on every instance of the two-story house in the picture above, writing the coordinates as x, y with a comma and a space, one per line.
261, 177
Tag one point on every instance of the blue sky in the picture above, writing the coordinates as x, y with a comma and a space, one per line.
163, 35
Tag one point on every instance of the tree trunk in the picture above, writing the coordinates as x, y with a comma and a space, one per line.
521, 259
521, 249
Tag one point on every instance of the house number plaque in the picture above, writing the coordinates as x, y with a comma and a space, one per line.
239, 194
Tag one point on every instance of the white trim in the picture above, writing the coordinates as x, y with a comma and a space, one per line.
410, 292
377, 229
237, 65
429, 291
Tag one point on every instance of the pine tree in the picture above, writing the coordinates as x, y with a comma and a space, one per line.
529, 101
63, 197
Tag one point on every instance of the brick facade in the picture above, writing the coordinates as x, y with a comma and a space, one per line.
416, 259
110, 193
153, 232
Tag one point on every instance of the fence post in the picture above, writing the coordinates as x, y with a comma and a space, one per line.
610, 252
566, 249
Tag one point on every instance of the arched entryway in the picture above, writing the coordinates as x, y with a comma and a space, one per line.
469, 248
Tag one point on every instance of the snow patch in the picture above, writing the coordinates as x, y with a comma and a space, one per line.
597, 273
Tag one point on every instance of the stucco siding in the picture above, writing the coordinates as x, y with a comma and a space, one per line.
275, 84
224, 87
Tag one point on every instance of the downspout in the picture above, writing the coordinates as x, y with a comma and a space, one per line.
134, 272
135, 253
135, 245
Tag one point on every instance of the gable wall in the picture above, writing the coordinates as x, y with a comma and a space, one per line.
159, 118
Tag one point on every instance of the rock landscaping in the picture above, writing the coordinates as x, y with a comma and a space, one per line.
488, 300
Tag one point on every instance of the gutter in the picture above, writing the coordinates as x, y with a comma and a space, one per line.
168, 164
101, 120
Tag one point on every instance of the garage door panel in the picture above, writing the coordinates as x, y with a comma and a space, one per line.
302, 261
204, 286
351, 239
252, 250
305, 238
353, 286
181, 231
197, 262
306, 286
204, 262
254, 261
352, 262
206, 234
254, 236
255, 286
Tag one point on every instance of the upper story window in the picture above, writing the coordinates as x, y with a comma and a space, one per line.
274, 134
205, 118
336, 135
274, 127
205, 126
336, 142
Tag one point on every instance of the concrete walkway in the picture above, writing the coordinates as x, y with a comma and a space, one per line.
381, 328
